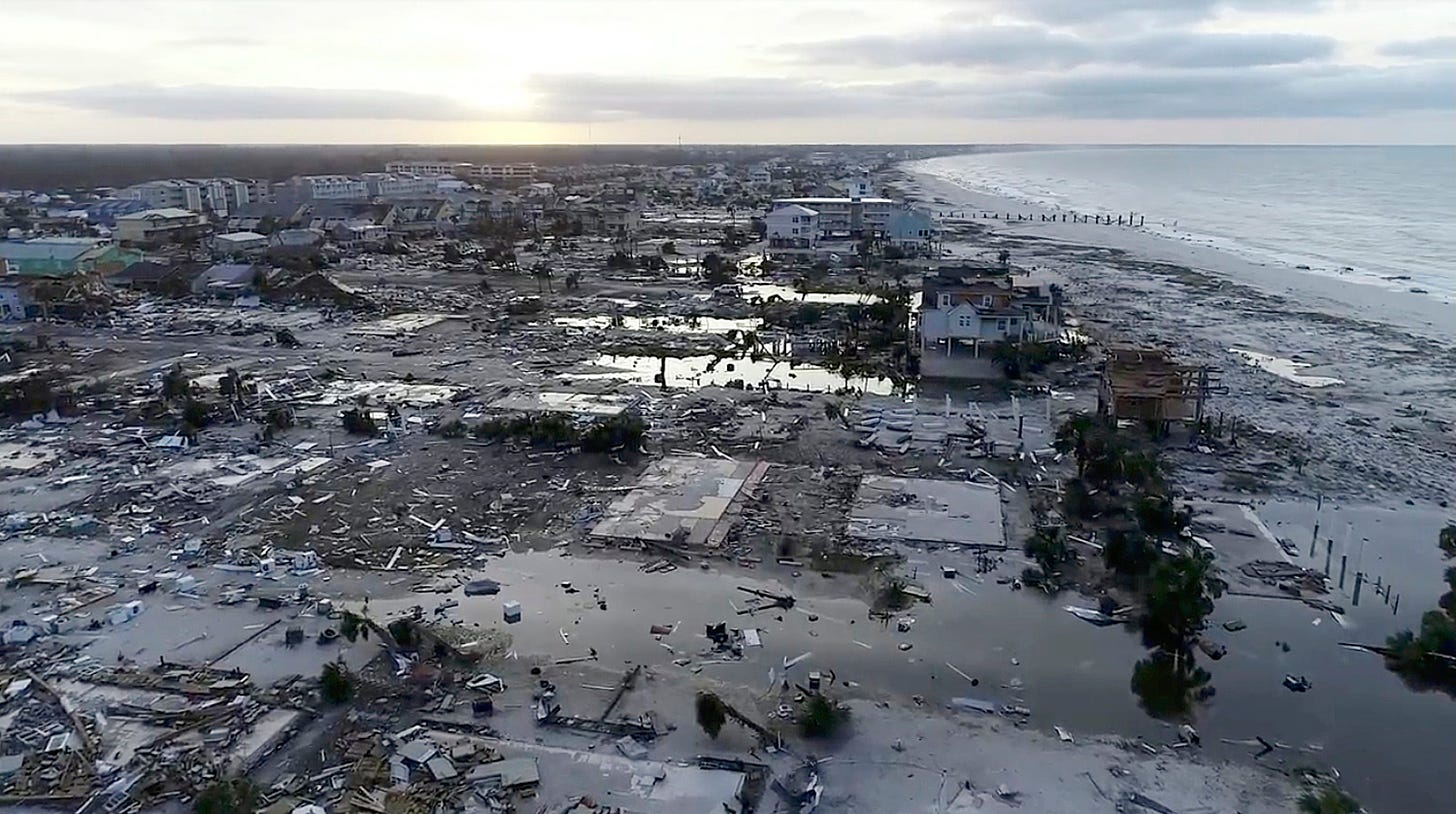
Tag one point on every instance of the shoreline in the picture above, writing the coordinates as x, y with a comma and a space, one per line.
1376, 424
1356, 297
1361, 417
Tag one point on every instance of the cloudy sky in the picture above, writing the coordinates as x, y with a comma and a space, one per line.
899, 71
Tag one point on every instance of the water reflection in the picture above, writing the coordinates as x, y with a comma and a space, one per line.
767, 292
1169, 686
708, 370
666, 324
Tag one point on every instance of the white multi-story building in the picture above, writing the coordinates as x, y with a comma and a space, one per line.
429, 169
219, 196
502, 172
856, 186
792, 227
170, 193
845, 216
223, 196
329, 187
402, 185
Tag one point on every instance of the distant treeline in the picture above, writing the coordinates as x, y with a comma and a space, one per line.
79, 166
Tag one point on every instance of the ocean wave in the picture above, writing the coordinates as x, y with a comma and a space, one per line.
1311, 219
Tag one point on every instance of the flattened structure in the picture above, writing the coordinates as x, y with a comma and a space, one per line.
927, 511
680, 499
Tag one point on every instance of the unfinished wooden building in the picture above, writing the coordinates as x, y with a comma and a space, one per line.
1145, 384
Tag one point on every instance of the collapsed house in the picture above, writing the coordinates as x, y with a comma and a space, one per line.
1145, 384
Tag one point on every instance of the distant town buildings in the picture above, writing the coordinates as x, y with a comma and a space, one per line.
397, 185
158, 226
239, 244
328, 187
501, 172
460, 169
429, 169
217, 196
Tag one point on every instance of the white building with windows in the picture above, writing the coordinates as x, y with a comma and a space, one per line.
427, 168
972, 312
169, 193
218, 196
791, 227
845, 216
399, 185
329, 187
502, 172
856, 186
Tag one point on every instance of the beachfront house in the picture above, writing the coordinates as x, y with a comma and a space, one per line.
913, 231
844, 217
791, 228
973, 312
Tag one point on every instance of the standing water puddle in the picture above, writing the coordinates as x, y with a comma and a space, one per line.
666, 324
767, 291
706, 370
1287, 369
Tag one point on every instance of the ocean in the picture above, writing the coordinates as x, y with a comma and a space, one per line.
1378, 215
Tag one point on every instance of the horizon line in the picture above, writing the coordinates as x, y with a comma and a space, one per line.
686, 145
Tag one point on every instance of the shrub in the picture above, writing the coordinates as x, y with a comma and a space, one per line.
175, 384
236, 795
822, 718
357, 421
335, 683
402, 631
622, 430
452, 428
196, 413
893, 596
711, 714
280, 417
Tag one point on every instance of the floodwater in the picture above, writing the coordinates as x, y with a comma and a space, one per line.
1286, 369
666, 324
1391, 745
707, 370
767, 291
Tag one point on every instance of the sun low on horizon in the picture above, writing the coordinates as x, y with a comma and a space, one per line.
750, 71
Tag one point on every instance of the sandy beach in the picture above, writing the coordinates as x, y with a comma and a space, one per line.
1355, 386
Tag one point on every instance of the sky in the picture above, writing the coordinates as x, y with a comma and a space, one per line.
721, 71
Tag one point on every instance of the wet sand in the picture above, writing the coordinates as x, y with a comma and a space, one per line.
1359, 381
1429, 315
1382, 433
